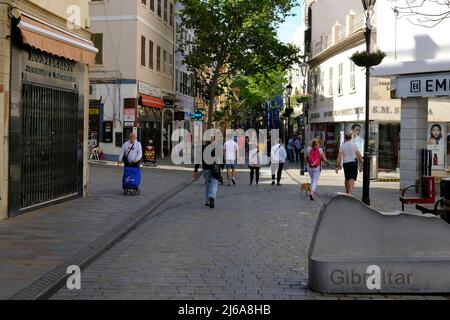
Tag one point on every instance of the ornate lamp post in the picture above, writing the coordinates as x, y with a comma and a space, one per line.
288, 110
304, 67
368, 8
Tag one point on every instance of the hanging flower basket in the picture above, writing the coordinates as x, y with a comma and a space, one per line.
304, 99
368, 59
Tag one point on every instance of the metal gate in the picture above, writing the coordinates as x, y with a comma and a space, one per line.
49, 144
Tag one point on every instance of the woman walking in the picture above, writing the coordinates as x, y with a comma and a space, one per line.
314, 156
278, 157
254, 163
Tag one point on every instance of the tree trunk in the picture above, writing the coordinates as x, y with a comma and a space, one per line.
212, 95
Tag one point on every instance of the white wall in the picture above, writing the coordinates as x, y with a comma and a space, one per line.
327, 12
113, 96
413, 42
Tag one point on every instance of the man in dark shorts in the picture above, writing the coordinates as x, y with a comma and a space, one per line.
349, 155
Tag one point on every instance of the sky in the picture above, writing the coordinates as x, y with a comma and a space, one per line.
287, 30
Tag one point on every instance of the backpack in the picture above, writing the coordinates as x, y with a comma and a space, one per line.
314, 158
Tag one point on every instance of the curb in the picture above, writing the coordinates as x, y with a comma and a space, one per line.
50, 283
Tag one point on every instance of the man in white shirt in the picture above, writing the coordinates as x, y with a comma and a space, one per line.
278, 157
231, 149
349, 155
131, 153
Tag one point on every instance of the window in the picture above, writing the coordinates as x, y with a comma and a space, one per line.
165, 61
152, 5
171, 15
150, 52
159, 8
176, 81
341, 71
158, 59
352, 76
330, 82
166, 4
143, 46
322, 84
171, 65
97, 39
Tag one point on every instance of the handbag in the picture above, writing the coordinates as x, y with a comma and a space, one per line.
216, 171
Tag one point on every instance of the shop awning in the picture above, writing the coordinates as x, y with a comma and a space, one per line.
152, 102
51, 39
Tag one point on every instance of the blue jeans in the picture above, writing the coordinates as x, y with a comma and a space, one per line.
212, 185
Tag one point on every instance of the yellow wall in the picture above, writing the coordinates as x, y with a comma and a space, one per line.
59, 7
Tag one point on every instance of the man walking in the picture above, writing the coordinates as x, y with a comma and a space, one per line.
211, 174
131, 154
290, 149
278, 157
349, 155
231, 150
298, 144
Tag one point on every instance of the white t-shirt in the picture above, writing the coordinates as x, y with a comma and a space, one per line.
349, 150
231, 149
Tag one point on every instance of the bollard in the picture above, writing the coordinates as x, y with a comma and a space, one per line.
445, 192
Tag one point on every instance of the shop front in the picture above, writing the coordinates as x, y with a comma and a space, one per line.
48, 114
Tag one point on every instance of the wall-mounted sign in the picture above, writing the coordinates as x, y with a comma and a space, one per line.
108, 131
150, 90
129, 115
198, 115
432, 85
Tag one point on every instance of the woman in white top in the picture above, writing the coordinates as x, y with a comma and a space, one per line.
314, 156
349, 155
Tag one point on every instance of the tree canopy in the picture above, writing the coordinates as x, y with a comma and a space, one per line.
234, 37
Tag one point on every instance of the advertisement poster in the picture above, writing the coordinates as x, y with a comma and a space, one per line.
448, 147
357, 131
437, 144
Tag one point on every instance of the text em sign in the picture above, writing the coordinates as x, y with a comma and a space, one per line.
431, 85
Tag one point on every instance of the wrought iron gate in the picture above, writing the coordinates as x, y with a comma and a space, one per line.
49, 144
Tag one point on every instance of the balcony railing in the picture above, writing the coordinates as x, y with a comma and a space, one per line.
326, 41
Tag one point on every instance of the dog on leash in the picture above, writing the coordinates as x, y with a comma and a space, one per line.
306, 187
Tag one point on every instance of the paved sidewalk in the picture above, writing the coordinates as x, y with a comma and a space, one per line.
35, 243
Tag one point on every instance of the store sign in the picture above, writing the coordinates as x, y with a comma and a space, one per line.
44, 67
433, 85
129, 115
149, 90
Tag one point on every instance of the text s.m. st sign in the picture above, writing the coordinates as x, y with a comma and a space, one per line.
428, 85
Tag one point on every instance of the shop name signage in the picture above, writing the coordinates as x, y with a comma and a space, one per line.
43, 64
345, 112
432, 85
51, 60
356, 111
149, 90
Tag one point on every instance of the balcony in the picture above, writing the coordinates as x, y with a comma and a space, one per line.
354, 23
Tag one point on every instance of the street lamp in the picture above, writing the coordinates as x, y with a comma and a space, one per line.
368, 8
304, 67
289, 89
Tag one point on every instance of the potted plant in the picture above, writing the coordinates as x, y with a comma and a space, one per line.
368, 59
304, 98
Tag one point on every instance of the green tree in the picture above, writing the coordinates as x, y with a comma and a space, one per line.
256, 89
232, 36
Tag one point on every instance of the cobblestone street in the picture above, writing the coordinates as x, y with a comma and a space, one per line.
253, 245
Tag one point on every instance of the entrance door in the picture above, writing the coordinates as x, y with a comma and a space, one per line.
50, 146
389, 145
